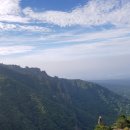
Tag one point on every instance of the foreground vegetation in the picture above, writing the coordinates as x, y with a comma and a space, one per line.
122, 123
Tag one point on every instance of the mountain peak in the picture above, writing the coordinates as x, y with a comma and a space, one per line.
33, 71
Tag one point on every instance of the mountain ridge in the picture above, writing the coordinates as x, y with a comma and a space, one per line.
33, 100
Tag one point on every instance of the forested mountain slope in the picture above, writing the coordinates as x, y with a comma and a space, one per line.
32, 100
119, 86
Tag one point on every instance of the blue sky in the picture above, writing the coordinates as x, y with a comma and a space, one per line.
59, 5
86, 39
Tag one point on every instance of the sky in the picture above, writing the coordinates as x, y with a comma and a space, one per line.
84, 39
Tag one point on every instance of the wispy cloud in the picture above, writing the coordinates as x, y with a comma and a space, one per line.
9, 50
76, 37
98, 49
119, 46
17, 27
67, 39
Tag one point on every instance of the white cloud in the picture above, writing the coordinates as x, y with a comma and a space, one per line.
10, 11
14, 27
34, 28
13, 18
7, 26
9, 7
95, 12
75, 37
97, 49
115, 47
8, 50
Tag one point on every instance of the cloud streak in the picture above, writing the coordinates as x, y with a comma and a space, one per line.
14, 27
74, 37
9, 50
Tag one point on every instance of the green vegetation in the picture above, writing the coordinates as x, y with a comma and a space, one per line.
122, 123
32, 100
120, 86
102, 127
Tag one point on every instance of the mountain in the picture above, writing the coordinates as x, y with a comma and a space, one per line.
119, 86
32, 100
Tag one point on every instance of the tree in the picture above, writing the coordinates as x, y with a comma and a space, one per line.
122, 122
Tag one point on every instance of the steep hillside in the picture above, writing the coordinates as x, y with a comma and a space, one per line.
32, 100
120, 86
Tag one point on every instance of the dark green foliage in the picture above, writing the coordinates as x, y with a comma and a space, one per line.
122, 122
32, 100
102, 127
